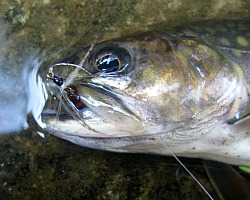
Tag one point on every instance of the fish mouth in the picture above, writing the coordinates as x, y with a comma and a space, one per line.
103, 113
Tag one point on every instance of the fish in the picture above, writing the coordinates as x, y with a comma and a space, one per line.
178, 90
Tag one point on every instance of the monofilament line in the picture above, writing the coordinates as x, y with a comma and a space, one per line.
196, 180
74, 73
178, 160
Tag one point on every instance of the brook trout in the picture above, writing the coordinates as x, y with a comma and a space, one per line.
183, 90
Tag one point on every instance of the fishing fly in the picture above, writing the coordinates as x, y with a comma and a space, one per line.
69, 96
70, 91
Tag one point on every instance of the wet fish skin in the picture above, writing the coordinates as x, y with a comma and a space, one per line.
185, 90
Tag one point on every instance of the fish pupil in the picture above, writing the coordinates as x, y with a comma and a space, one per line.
108, 63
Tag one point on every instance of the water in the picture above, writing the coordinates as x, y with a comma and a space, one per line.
33, 36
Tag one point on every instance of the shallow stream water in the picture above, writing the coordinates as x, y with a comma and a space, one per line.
34, 35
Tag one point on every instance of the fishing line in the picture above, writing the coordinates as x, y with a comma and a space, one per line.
74, 73
187, 170
69, 80
190, 173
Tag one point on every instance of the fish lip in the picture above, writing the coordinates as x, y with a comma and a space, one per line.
90, 122
96, 87
102, 89
107, 91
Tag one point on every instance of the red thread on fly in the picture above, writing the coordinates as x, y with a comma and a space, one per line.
71, 91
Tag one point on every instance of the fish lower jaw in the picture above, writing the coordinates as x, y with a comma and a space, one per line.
100, 129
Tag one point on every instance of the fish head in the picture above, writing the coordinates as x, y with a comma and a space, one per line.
142, 87
133, 87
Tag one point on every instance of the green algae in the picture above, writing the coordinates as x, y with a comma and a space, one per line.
245, 169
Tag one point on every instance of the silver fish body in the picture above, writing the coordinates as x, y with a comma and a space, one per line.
183, 90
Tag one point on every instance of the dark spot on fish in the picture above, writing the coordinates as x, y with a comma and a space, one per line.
193, 148
143, 51
168, 48
150, 38
153, 139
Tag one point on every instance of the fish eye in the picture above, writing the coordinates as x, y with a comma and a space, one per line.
110, 60
108, 63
